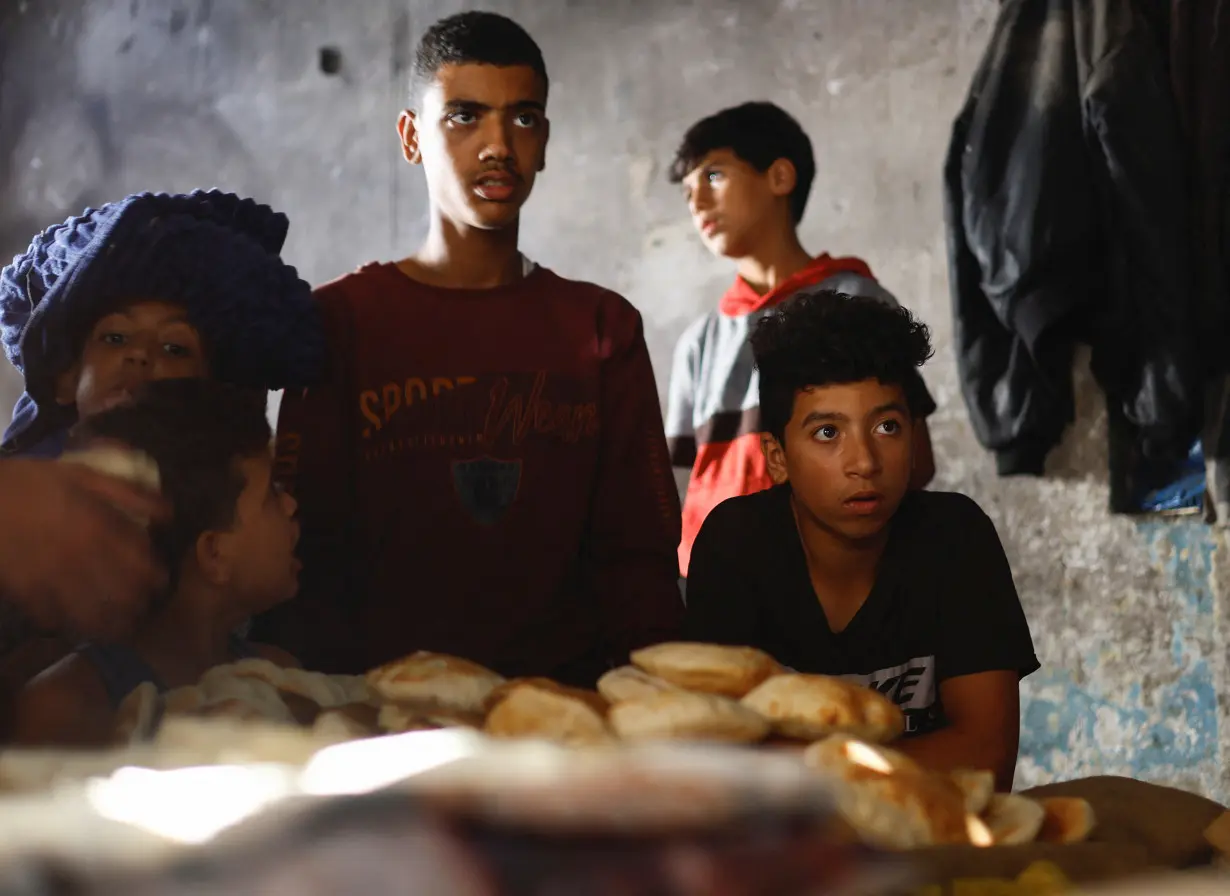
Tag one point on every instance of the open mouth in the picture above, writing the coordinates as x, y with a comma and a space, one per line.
864, 502
497, 187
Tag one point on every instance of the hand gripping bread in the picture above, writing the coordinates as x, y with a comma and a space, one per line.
684, 715
710, 668
810, 707
435, 680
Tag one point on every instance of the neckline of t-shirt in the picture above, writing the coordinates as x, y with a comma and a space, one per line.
875, 597
531, 273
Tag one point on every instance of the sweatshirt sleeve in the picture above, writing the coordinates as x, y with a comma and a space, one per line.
681, 402
314, 465
634, 527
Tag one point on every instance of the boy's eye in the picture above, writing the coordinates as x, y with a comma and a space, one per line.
526, 120
462, 118
112, 338
176, 350
713, 176
826, 433
889, 427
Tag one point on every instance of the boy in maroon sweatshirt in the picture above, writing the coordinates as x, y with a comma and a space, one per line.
486, 472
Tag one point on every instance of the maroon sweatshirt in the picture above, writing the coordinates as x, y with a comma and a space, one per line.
485, 474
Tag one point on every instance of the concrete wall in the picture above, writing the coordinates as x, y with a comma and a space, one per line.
98, 99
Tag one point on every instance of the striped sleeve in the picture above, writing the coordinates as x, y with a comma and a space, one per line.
681, 400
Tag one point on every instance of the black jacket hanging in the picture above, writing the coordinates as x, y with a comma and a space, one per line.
1067, 222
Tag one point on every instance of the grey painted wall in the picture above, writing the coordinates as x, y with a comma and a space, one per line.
102, 98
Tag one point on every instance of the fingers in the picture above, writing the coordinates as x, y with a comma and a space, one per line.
132, 500
116, 571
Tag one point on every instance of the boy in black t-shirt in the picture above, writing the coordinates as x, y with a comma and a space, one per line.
840, 569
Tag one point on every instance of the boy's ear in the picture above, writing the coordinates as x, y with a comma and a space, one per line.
408, 133
66, 386
782, 177
213, 557
775, 458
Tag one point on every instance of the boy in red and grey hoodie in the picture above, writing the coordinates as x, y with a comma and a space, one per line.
746, 173
486, 472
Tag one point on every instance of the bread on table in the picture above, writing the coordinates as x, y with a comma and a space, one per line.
812, 707
539, 708
685, 715
436, 680
631, 683
890, 800
1013, 820
710, 668
1067, 820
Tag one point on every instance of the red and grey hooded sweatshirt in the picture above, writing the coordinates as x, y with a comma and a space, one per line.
713, 404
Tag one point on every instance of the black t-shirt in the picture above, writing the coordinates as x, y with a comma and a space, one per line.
943, 604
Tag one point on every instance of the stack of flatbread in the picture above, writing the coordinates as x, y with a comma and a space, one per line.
676, 692
894, 803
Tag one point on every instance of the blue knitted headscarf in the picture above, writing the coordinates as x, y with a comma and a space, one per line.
212, 253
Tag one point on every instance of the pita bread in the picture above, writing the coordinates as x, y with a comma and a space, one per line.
183, 701
630, 683
1013, 820
548, 711
337, 723
811, 707
249, 667
137, 715
978, 788
435, 680
1067, 820
683, 715
710, 668
222, 684
592, 699
302, 709
397, 718
890, 800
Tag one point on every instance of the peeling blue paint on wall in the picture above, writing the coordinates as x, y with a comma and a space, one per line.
1127, 716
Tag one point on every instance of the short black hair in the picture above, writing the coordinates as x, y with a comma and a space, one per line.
197, 431
485, 38
759, 133
819, 337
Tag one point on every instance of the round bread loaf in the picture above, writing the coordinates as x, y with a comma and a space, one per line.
1013, 820
890, 800
811, 707
630, 683
435, 680
709, 668
543, 709
684, 715
1068, 820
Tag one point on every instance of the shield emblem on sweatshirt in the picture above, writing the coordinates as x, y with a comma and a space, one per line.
487, 487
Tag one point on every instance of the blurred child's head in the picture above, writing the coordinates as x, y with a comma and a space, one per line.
153, 287
839, 395
746, 171
232, 531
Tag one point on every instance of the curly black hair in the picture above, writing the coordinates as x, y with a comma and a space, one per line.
473, 37
820, 337
197, 431
759, 133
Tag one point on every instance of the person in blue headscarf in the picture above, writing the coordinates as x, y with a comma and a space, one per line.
154, 286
